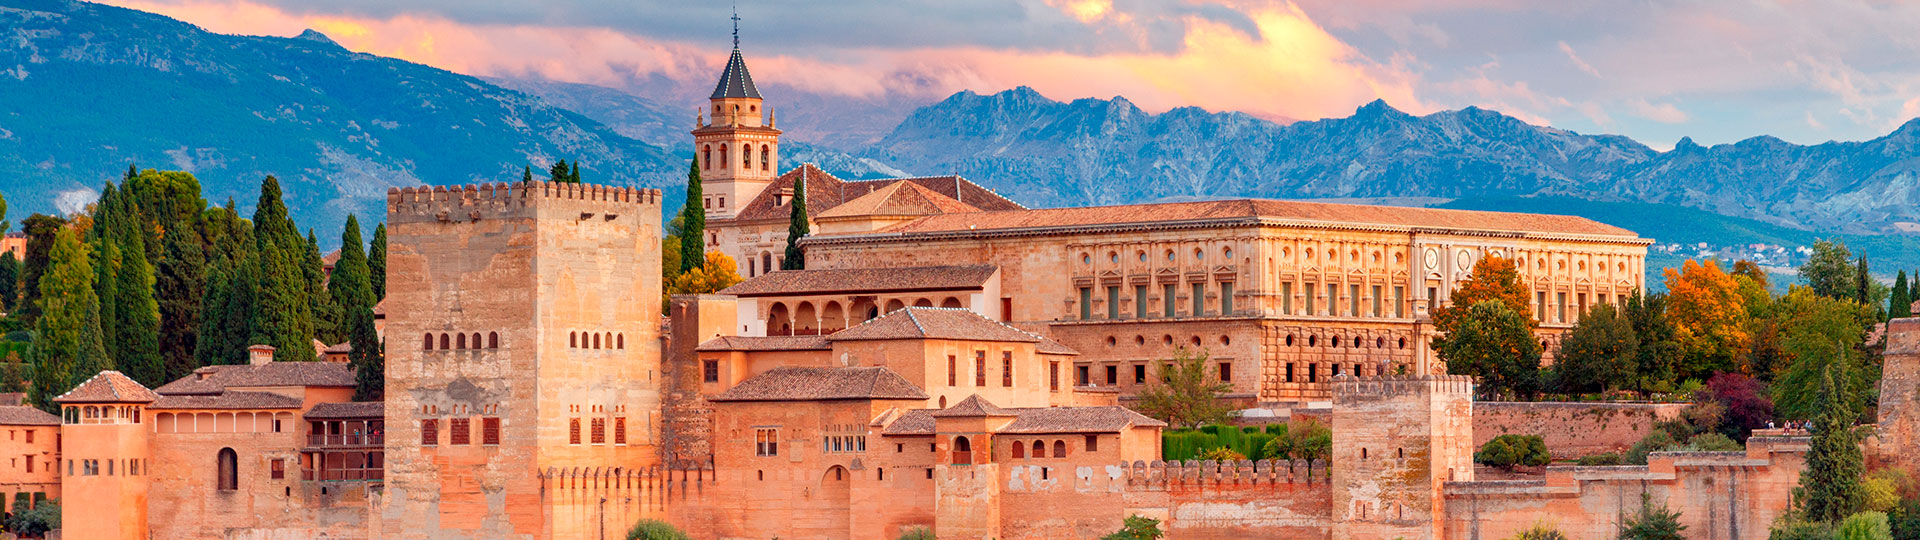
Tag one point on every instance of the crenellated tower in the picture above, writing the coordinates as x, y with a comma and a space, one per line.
734, 140
1396, 440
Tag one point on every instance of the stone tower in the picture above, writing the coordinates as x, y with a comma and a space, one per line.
522, 338
738, 153
1899, 426
107, 446
1396, 439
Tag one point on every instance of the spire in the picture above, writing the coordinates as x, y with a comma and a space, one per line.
736, 26
735, 82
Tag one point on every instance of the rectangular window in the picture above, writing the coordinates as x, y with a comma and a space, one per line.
1226, 298
1583, 308
1377, 300
620, 430
979, 368
1433, 298
1310, 300
1140, 301
1113, 375
1286, 298
1399, 301
490, 431
1199, 299
29, 462
1053, 376
1139, 374
1006, 309
1289, 371
1006, 368
430, 432
1335, 371
1540, 306
1080, 376
1333, 299
1093, 443
459, 431
599, 427
279, 469
766, 442
1166, 299
29, 436
573, 431
1313, 373
1226, 372
1113, 302
1086, 303
953, 371
1560, 307
1353, 300
710, 370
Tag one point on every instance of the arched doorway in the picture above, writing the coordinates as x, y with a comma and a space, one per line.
779, 323
805, 321
950, 302
228, 468
832, 319
835, 498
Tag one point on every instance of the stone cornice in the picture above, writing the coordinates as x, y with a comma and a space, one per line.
1219, 223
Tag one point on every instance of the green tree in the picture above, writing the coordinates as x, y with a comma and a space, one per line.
1864, 526
1599, 354
1511, 450
1137, 528
377, 263
574, 175
67, 346
13, 373
4, 224
1862, 279
180, 287
1752, 270
1492, 342
276, 281
1493, 278
1186, 396
1652, 522
40, 229
1900, 303
650, 529
1816, 332
559, 172
693, 222
329, 324
350, 285
9, 281
1905, 520
1540, 531
669, 258
527, 175
34, 522
1830, 486
368, 356
916, 533
797, 227
137, 314
1659, 350
1829, 271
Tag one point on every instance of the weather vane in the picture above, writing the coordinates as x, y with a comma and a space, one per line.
736, 25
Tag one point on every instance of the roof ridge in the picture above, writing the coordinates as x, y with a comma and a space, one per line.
916, 322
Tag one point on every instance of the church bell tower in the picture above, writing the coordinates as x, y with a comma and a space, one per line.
738, 152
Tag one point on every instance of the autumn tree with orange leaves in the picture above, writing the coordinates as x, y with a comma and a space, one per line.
1709, 316
1493, 278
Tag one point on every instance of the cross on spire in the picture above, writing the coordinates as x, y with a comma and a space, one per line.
736, 26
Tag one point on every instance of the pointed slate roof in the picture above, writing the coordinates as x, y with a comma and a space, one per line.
735, 82
974, 405
108, 387
821, 384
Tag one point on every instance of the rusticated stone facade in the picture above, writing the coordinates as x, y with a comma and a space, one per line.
562, 282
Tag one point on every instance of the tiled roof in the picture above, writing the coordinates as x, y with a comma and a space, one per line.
814, 384
108, 387
974, 405
768, 343
341, 348
1108, 419
227, 400
735, 82
214, 379
825, 192
1297, 211
898, 199
13, 398
933, 323
21, 415
855, 280
1049, 346
349, 409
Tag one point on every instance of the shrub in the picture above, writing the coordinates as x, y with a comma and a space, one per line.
1793, 529
1864, 526
1905, 520
1136, 528
1508, 451
1653, 522
650, 529
1745, 403
35, 522
1540, 531
1222, 454
1880, 492
1657, 441
1600, 460
916, 533
1904, 483
1714, 442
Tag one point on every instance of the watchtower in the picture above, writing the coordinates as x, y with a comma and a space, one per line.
1396, 439
107, 447
522, 335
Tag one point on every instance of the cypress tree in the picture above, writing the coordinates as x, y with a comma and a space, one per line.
328, 324
1830, 487
693, 222
40, 229
136, 316
67, 348
797, 227
575, 175
368, 356
180, 287
1899, 304
349, 285
104, 255
9, 281
274, 278
558, 172
377, 263
4, 224
1862, 292
527, 175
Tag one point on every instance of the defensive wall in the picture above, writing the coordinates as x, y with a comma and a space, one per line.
1572, 430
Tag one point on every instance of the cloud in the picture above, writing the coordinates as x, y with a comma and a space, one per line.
1658, 112
1814, 122
1577, 62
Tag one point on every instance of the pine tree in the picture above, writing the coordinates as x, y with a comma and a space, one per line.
10, 281
559, 172
377, 263
67, 348
1899, 303
136, 315
575, 175
180, 288
527, 175
40, 229
1830, 487
693, 222
797, 227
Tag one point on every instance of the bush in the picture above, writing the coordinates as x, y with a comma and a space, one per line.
1600, 460
1714, 442
1905, 520
1222, 454
1881, 494
1904, 483
1508, 451
1791, 529
916, 533
35, 522
1744, 401
1864, 526
649, 529
1540, 531
1653, 522
1137, 528
1657, 441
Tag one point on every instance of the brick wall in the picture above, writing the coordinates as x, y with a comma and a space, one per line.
1899, 429
1571, 430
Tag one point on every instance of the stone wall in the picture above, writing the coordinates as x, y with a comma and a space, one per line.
1572, 430
1193, 500
1899, 428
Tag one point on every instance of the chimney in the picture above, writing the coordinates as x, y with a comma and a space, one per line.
260, 354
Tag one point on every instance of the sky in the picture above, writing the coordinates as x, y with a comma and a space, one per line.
1719, 71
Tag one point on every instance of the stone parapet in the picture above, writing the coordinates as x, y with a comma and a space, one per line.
476, 201
1164, 474
1390, 386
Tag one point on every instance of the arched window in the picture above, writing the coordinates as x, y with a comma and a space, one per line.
596, 341
723, 155
766, 261
706, 157
493, 340
766, 157
460, 342
962, 451
476, 340
1059, 449
746, 157
1019, 450
1039, 449
444, 344
427, 343
228, 466
621, 341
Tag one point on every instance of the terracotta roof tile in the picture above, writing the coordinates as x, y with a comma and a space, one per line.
1108, 419
214, 379
21, 415
933, 323
898, 199
815, 384
1049, 346
1299, 211
855, 280
341, 348
13, 398
767, 343
974, 405
826, 191
227, 400
350, 409
912, 422
108, 387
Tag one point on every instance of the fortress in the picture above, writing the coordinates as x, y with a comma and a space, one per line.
950, 360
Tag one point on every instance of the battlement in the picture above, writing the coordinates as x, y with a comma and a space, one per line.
1163, 474
444, 202
1386, 386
